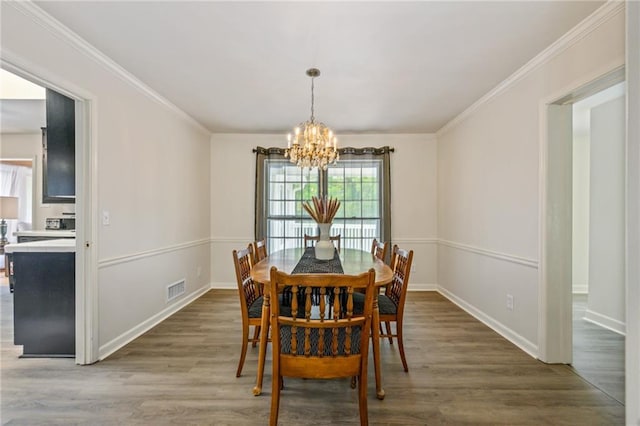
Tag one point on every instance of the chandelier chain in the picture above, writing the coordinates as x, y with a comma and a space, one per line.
312, 100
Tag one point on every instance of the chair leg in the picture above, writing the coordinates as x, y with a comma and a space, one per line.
389, 335
243, 351
362, 399
256, 336
275, 400
401, 345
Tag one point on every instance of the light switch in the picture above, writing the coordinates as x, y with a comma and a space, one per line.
106, 219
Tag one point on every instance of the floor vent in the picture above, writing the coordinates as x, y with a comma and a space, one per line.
175, 290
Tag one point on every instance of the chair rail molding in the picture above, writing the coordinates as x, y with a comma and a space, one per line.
132, 257
531, 263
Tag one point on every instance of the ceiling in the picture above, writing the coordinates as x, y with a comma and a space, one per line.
387, 67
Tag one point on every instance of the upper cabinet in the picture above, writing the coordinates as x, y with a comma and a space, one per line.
59, 150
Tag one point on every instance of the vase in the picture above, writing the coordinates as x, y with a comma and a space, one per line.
324, 246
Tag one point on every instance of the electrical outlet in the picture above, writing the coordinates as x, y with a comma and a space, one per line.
510, 302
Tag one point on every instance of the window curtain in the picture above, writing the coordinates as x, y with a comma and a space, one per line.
262, 154
383, 153
16, 181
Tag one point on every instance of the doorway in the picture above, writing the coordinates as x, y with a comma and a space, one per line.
582, 228
598, 241
86, 262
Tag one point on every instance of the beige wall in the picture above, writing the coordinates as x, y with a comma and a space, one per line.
413, 197
488, 184
152, 165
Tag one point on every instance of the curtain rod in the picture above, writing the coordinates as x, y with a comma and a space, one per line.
346, 150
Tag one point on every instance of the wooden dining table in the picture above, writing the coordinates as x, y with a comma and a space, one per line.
354, 262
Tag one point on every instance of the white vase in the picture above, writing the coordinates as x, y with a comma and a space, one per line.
324, 247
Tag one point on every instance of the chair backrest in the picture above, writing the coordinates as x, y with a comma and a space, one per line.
394, 252
247, 288
310, 240
320, 336
379, 249
397, 289
259, 251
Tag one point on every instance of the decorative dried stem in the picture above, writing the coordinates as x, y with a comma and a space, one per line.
322, 210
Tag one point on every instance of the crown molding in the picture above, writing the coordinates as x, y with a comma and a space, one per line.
577, 33
60, 31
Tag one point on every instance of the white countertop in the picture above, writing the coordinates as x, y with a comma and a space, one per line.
49, 246
46, 233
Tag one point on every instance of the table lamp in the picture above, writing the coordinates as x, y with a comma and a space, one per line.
8, 210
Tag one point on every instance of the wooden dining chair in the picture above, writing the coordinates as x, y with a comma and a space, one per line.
315, 342
310, 240
258, 251
391, 303
379, 249
250, 302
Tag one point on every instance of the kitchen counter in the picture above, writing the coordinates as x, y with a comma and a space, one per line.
46, 233
62, 245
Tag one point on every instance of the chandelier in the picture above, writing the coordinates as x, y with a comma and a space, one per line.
312, 144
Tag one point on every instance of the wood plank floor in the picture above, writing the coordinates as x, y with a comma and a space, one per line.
598, 353
183, 372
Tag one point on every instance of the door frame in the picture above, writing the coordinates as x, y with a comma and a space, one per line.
87, 341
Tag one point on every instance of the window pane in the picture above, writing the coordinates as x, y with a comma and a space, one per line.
370, 190
352, 209
370, 209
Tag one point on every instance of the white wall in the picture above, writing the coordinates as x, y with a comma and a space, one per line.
580, 223
152, 176
28, 146
606, 225
632, 352
413, 197
488, 182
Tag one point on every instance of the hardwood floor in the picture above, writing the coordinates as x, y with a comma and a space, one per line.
183, 372
598, 354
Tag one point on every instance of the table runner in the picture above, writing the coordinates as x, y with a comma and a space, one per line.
308, 264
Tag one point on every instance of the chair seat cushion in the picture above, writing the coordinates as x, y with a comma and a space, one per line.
314, 337
385, 305
255, 310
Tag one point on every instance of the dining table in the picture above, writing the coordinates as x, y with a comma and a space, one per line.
353, 262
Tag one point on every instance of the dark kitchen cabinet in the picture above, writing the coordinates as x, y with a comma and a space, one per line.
44, 303
59, 150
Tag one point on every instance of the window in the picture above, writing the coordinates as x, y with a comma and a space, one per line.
360, 180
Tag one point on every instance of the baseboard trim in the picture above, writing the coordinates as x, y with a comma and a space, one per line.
412, 286
513, 337
128, 336
605, 322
